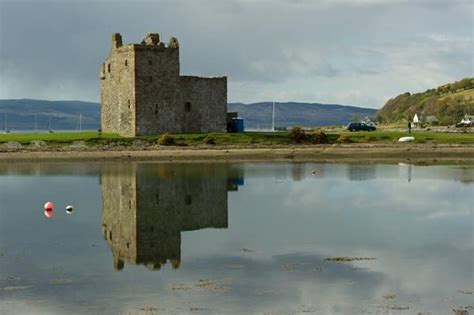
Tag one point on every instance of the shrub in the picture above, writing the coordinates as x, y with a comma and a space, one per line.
343, 139
297, 135
319, 136
371, 138
166, 139
209, 140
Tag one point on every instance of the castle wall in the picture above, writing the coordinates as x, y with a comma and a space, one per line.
117, 92
172, 200
147, 206
157, 89
207, 104
119, 221
203, 197
158, 220
142, 92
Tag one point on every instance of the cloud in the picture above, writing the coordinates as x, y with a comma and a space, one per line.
345, 51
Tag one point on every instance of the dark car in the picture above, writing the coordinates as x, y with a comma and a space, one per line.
360, 127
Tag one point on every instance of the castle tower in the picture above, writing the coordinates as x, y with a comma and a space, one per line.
146, 207
142, 92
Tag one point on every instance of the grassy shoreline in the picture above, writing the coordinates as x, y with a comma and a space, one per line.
93, 138
379, 146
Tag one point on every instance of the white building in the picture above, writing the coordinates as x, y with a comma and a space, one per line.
467, 119
416, 120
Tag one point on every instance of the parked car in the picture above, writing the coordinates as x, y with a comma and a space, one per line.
360, 127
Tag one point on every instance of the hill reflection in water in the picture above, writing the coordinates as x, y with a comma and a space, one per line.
145, 207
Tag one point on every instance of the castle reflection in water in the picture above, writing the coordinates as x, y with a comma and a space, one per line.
145, 207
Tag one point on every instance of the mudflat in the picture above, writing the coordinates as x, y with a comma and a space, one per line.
425, 152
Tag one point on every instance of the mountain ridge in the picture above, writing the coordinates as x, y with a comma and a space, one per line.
64, 114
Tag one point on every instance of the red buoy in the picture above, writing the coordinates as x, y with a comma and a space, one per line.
48, 206
49, 209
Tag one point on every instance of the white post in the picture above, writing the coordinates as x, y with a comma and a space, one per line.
273, 116
80, 122
35, 123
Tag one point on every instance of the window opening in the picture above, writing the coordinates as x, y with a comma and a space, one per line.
188, 200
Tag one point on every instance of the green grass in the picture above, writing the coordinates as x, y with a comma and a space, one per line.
246, 138
466, 94
59, 137
262, 138
420, 137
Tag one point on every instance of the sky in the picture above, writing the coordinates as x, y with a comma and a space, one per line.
352, 52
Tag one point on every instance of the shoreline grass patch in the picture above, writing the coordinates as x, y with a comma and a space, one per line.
282, 138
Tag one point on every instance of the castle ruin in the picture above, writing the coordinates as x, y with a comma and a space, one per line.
146, 207
142, 92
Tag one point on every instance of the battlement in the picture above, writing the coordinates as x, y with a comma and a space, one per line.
151, 41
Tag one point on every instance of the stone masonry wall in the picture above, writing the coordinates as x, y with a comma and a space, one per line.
147, 206
142, 92
171, 200
157, 89
118, 185
117, 92
206, 108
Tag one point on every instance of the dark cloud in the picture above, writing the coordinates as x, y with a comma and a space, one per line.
52, 49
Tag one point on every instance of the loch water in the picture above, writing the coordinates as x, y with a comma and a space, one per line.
250, 238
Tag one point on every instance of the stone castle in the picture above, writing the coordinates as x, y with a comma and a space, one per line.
142, 92
146, 207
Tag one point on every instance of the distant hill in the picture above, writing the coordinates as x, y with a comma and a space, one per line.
447, 102
298, 114
64, 115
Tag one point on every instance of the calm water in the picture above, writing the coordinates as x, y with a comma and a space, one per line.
236, 238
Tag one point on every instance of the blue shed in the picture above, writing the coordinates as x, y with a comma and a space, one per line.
238, 124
